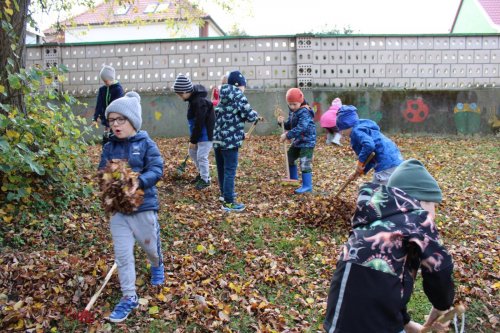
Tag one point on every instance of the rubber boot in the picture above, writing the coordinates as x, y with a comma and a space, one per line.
336, 139
306, 183
293, 172
329, 138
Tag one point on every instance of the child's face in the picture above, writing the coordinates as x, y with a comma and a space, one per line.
108, 82
242, 88
122, 128
294, 106
184, 96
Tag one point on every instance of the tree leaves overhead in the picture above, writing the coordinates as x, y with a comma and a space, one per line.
267, 269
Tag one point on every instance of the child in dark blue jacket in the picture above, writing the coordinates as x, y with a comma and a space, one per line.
201, 121
366, 138
231, 114
131, 144
110, 91
301, 130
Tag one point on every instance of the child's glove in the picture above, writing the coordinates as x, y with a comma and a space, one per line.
360, 168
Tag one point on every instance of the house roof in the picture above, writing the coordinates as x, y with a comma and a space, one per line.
492, 8
110, 12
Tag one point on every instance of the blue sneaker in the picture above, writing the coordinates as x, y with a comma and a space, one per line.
123, 309
157, 275
233, 207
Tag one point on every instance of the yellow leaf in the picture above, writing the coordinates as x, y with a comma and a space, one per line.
2, 89
53, 329
19, 325
47, 80
200, 248
310, 300
12, 134
496, 285
9, 11
8, 219
153, 310
160, 297
18, 305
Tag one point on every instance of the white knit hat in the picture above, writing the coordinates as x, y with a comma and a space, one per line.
107, 73
128, 106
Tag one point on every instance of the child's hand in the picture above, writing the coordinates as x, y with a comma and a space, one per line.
280, 119
360, 168
413, 327
94, 122
283, 137
431, 321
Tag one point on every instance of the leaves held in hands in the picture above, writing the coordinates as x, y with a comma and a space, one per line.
119, 187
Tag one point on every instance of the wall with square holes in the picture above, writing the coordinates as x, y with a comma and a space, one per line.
336, 62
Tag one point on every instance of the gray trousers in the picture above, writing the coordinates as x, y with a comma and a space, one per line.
199, 156
142, 227
382, 177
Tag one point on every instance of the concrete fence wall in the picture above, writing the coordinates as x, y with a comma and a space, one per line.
405, 83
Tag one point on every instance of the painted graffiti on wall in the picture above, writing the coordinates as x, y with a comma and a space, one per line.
467, 113
416, 110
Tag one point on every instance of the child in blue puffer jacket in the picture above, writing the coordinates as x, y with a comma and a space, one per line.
366, 138
301, 131
142, 154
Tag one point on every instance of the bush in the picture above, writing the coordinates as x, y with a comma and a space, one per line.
42, 145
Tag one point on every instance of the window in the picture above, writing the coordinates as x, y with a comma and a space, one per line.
163, 7
122, 10
150, 8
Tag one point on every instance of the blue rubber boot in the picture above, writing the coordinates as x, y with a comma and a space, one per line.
293, 172
306, 183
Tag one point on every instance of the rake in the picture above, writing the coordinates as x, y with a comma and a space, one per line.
285, 181
353, 176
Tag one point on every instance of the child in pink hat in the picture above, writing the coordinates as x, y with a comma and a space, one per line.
329, 122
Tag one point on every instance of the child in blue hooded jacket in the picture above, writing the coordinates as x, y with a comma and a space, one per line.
142, 154
366, 138
301, 131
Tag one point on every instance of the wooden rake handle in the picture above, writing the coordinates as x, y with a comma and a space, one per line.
447, 316
96, 295
353, 176
252, 128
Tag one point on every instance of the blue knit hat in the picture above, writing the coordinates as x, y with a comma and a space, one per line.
128, 106
347, 116
235, 78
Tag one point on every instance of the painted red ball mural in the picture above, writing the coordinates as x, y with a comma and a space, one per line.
416, 110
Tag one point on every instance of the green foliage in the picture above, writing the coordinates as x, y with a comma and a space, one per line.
41, 146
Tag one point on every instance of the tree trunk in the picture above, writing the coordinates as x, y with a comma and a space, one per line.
18, 21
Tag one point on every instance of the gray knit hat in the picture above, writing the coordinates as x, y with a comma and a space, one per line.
128, 106
107, 73
412, 177
183, 84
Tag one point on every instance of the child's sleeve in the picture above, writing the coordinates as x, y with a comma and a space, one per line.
104, 157
367, 146
246, 111
436, 264
200, 113
288, 122
153, 166
98, 106
117, 92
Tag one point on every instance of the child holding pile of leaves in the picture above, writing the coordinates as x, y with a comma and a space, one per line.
393, 235
131, 144
231, 113
301, 131
201, 121
366, 138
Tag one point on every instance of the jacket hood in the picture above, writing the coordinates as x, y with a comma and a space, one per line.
379, 202
228, 92
370, 124
198, 90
